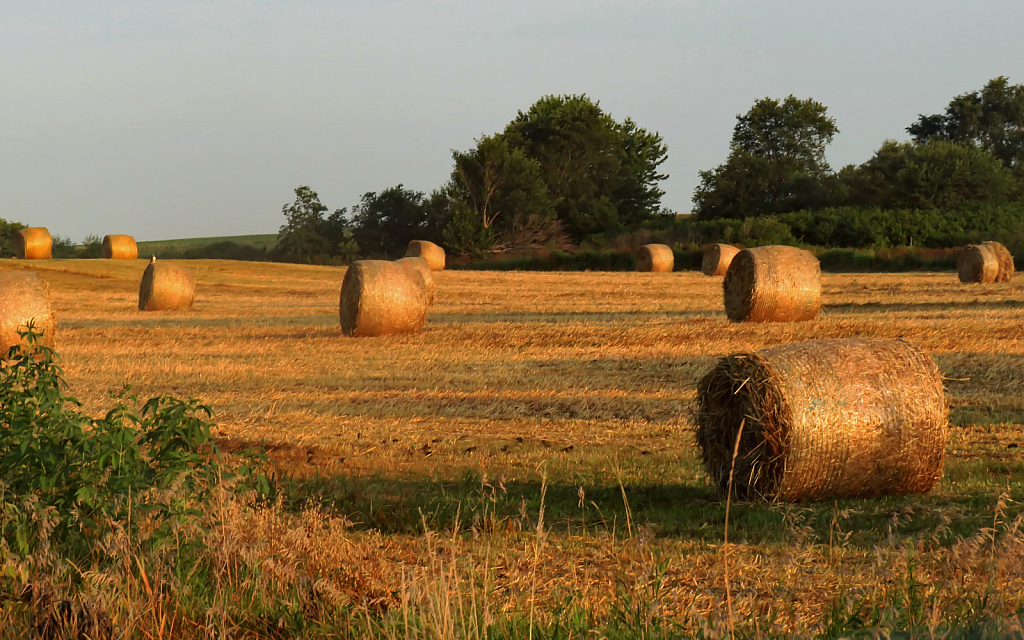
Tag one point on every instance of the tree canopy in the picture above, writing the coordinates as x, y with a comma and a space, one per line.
561, 170
990, 119
309, 235
776, 155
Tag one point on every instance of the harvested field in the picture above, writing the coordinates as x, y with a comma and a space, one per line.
570, 394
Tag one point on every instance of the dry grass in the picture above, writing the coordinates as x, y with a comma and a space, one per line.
589, 378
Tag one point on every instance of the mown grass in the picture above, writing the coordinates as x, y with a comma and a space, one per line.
529, 457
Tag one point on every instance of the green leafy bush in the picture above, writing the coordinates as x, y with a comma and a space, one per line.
81, 474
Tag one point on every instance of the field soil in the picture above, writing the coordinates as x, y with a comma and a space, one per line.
535, 443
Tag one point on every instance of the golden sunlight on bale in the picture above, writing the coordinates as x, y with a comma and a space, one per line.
841, 418
985, 262
24, 298
977, 263
717, 259
119, 247
433, 254
382, 298
33, 243
656, 258
166, 287
1005, 260
773, 284
420, 267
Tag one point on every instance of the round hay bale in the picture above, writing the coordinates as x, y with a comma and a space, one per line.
433, 254
977, 263
380, 298
119, 247
657, 258
1005, 260
24, 298
165, 287
420, 267
773, 284
717, 259
33, 243
839, 418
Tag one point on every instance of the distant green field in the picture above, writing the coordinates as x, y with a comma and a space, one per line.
265, 240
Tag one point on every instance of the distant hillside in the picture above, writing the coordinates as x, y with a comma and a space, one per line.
263, 241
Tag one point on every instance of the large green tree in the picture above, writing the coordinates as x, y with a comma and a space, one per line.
776, 161
600, 174
383, 223
935, 174
990, 119
309, 235
497, 200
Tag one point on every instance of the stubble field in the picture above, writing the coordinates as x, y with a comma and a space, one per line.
530, 455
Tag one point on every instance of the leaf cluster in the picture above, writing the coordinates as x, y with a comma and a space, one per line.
156, 461
560, 171
311, 236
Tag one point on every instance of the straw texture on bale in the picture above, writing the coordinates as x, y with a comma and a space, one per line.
977, 264
717, 259
24, 298
166, 287
433, 254
33, 243
838, 418
119, 247
984, 263
657, 258
773, 284
380, 298
419, 266
1005, 260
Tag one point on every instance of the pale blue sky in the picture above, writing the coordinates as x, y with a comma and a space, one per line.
181, 119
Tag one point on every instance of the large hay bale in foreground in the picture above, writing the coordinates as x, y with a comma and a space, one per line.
419, 266
33, 243
120, 247
717, 259
380, 298
773, 284
24, 298
433, 254
824, 419
166, 287
977, 264
656, 258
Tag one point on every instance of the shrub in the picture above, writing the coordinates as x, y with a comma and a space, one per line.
77, 474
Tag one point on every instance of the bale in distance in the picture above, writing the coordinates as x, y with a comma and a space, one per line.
433, 254
119, 247
24, 298
717, 259
656, 258
773, 284
381, 298
840, 418
166, 287
977, 263
420, 266
984, 263
33, 243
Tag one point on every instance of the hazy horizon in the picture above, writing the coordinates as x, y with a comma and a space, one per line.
200, 119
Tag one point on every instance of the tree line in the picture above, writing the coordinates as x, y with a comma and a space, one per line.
565, 174
560, 172
960, 176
